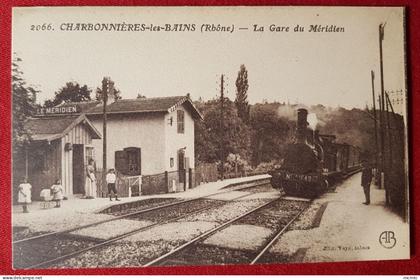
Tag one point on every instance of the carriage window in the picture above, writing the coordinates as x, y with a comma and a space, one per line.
180, 121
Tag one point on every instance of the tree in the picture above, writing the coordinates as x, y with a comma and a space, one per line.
140, 96
116, 94
236, 138
71, 92
23, 106
270, 133
241, 101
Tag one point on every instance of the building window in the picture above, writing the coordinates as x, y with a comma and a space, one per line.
171, 162
180, 121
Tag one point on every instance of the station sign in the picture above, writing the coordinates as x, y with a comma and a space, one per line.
62, 110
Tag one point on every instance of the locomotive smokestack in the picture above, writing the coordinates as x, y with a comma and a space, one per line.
302, 125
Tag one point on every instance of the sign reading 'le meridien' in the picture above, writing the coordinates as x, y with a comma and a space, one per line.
57, 110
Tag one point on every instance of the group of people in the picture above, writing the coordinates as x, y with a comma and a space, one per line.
57, 191
25, 194
90, 184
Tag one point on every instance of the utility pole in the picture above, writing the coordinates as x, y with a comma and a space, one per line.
389, 162
222, 126
372, 74
107, 89
382, 123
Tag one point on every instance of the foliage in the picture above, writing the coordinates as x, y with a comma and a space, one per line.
23, 106
241, 101
113, 93
212, 133
71, 92
140, 96
236, 164
270, 132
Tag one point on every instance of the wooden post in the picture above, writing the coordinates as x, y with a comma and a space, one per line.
375, 119
167, 181
185, 179
222, 151
190, 178
105, 83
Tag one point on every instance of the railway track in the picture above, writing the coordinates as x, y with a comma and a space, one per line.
199, 251
148, 209
48, 249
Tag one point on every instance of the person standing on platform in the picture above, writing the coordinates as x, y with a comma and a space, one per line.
24, 194
366, 181
57, 192
111, 179
90, 185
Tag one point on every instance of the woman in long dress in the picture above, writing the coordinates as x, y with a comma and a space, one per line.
90, 184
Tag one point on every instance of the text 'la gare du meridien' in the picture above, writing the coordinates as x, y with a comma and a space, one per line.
142, 27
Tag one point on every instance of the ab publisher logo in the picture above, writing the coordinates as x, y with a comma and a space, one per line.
387, 239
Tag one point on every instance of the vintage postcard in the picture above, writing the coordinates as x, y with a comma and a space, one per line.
187, 136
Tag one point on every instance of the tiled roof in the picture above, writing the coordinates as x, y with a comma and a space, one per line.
147, 105
161, 104
51, 125
55, 127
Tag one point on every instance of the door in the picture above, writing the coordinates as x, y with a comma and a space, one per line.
78, 169
181, 165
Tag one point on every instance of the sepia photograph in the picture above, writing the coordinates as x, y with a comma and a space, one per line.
203, 136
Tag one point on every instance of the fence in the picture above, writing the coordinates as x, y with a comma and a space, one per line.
205, 173
125, 185
174, 181
166, 182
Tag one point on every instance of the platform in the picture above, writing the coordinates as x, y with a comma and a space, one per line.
76, 211
349, 230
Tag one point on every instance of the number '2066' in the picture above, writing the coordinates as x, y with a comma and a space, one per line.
42, 27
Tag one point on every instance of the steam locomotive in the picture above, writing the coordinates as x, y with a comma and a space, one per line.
314, 162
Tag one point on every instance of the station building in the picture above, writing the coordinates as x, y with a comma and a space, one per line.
147, 136
60, 147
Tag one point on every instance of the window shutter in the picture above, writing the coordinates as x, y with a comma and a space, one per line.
121, 162
133, 155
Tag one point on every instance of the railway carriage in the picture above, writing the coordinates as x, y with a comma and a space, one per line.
314, 162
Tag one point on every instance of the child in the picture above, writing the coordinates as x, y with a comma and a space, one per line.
24, 194
110, 181
57, 192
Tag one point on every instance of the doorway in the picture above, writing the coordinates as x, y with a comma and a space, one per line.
181, 165
78, 169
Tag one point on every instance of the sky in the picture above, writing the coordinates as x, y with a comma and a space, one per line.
329, 68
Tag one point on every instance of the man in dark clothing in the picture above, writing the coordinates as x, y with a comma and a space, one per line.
366, 180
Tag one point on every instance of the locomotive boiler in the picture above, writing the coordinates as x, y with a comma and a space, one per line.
314, 162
